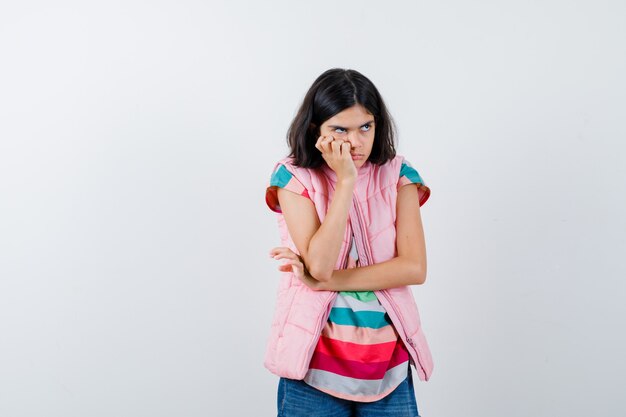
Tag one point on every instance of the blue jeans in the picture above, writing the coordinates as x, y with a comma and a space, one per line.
297, 398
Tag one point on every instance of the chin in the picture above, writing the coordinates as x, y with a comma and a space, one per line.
360, 162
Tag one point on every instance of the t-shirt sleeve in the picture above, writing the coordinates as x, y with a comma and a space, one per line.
283, 178
409, 175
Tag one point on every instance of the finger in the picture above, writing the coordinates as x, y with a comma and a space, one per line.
337, 148
293, 262
325, 144
290, 265
281, 249
318, 142
284, 252
287, 256
345, 149
277, 249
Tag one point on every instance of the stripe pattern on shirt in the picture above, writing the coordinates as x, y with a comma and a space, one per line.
359, 355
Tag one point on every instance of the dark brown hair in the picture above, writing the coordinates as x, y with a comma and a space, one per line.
332, 92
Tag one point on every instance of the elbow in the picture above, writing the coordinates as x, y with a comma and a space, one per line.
419, 274
320, 274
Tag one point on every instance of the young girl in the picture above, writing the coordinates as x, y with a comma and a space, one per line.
346, 328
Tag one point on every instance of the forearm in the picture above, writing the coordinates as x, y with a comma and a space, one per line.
396, 272
326, 243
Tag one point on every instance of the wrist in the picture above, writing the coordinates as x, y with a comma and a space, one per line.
346, 182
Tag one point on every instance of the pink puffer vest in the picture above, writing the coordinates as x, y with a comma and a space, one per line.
301, 312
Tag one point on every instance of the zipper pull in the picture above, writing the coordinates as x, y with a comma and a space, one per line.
410, 341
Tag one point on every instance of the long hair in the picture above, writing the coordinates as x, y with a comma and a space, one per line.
332, 92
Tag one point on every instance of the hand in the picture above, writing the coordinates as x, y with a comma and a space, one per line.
294, 263
336, 153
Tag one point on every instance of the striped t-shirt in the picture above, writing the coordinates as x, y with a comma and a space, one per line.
359, 355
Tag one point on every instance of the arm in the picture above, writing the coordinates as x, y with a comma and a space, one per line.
318, 244
408, 268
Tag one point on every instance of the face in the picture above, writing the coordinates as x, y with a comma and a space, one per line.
356, 126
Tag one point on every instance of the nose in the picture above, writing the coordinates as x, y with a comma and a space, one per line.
353, 138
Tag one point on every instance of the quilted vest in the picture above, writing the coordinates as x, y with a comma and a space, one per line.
300, 312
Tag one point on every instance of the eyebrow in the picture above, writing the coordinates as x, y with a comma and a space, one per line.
341, 127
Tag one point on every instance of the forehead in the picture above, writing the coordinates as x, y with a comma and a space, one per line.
354, 116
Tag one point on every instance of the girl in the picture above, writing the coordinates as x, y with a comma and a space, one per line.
346, 328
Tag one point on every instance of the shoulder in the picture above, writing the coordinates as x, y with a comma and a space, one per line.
394, 164
285, 170
287, 176
389, 172
408, 174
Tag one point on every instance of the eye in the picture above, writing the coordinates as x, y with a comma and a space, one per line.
339, 128
368, 127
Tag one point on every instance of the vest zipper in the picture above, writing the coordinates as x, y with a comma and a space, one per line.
384, 293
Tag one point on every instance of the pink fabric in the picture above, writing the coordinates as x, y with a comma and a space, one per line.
301, 312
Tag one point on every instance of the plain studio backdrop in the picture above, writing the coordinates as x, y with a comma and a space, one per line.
137, 139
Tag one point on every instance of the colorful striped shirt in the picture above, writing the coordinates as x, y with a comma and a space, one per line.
359, 355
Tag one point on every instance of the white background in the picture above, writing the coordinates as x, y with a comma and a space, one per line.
137, 139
